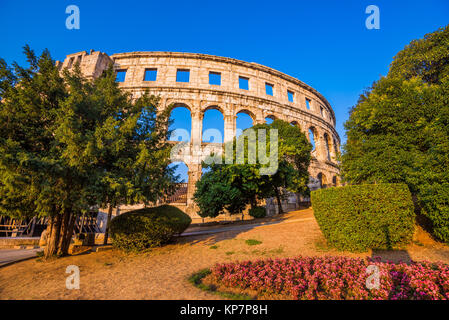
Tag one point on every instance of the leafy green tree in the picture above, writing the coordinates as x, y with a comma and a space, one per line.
232, 187
68, 144
399, 129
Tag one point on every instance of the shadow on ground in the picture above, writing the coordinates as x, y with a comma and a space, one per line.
395, 256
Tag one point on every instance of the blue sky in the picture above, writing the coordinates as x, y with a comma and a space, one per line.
323, 43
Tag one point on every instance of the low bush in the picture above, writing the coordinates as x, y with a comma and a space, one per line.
146, 228
258, 212
359, 217
335, 278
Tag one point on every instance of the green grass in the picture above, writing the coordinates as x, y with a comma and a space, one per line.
213, 247
228, 253
197, 280
252, 242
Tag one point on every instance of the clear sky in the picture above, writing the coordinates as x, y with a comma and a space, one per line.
323, 43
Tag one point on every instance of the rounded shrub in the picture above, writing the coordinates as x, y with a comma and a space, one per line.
361, 217
258, 212
146, 228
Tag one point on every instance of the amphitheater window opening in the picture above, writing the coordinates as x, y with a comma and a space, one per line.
150, 74
269, 89
312, 138
182, 75
326, 141
181, 124
180, 170
213, 126
322, 111
322, 180
243, 83
269, 119
294, 124
290, 96
243, 121
308, 101
179, 194
215, 78
334, 181
120, 75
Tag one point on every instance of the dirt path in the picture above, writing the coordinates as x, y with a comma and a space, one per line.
162, 273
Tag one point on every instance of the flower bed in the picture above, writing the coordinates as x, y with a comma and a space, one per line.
334, 278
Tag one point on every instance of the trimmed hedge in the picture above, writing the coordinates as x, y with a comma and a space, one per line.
360, 217
258, 212
148, 227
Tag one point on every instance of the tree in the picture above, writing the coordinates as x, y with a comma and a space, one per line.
68, 144
232, 187
399, 129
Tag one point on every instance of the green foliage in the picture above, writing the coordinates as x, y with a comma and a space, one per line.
253, 242
425, 58
231, 187
360, 217
399, 130
258, 212
147, 228
68, 144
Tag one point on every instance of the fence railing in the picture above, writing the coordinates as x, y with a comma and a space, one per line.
180, 195
33, 227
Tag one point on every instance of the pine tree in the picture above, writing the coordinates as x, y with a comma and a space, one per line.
68, 144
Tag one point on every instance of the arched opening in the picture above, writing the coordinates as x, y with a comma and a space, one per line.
312, 137
327, 142
269, 119
334, 181
181, 123
244, 121
322, 180
295, 124
213, 126
182, 172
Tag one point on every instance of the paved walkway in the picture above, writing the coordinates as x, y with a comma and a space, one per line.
8, 256
211, 230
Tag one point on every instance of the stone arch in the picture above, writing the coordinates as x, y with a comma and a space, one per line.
270, 118
247, 112
322, 180
173, 104
209, 106
334, 181
295, 124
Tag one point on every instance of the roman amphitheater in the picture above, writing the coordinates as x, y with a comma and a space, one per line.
200, 82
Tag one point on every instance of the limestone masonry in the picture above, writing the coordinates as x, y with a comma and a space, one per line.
269, 93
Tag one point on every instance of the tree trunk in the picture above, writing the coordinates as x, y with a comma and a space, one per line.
106, 233
67, 227
278, 198
53, 237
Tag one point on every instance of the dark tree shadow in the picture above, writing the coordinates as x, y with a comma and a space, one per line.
390, 254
